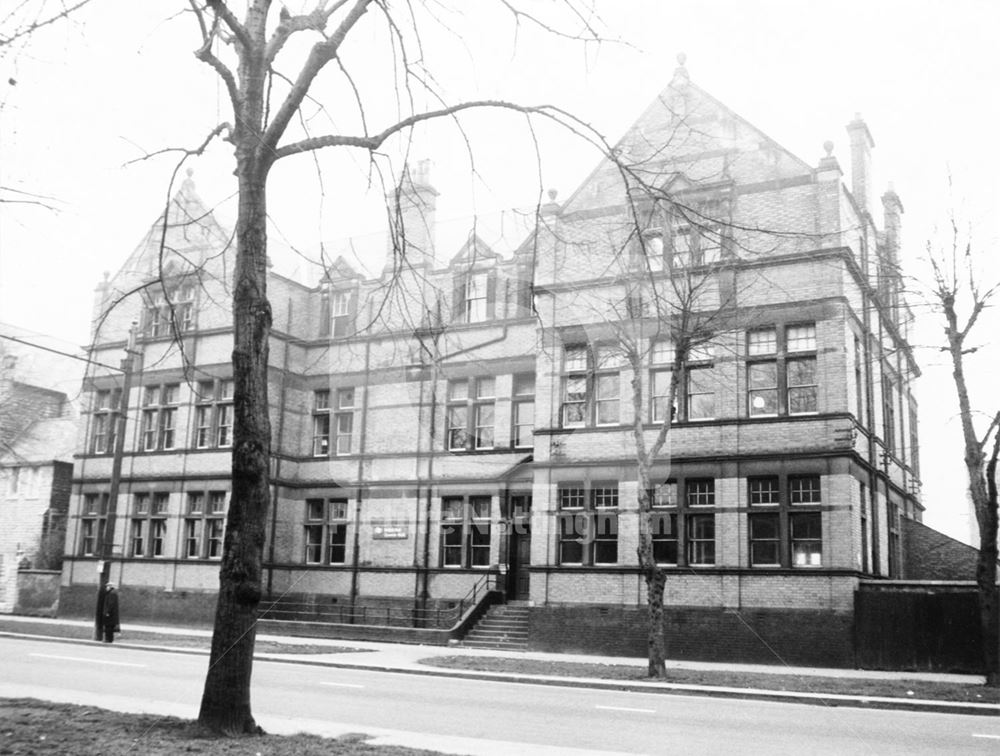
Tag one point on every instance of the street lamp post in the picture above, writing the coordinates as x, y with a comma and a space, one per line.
106, 535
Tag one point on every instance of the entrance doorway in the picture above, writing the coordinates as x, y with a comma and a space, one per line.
519, 587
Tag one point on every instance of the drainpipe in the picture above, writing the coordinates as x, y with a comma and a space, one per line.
277, 459
361, 474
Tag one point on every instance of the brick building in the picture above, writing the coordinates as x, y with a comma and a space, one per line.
470, 411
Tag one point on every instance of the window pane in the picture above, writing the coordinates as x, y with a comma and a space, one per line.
457, 427
524, 423
524, 384
575, 358
701, 539
700, 492
451, 508
458, 390
479, 544
762, 379
801, 338
321, 400
804, 489
485, 387
605, 496
345, 398
314, 509
571, 497
807, 539
573, 531
484, 426
763, 491
664, 494
762, 341
607, 399
663, 352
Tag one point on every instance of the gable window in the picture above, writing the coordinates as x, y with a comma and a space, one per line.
326, 531
782, 371
204, 524
465, 531
471, 413
784, 522
695, 235
169, 309
523, 410
148, 524
474, 297
159, 417
588, 523
92, 520
214, 414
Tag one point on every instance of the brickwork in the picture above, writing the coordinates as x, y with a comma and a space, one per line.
761, 636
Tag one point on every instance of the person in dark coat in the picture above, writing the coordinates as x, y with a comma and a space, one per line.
109, 619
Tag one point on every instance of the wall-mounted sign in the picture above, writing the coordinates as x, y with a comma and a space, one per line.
389, 530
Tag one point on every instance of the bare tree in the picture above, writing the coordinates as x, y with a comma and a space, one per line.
244, 53
960, 296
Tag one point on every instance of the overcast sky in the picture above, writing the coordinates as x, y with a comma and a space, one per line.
122, 81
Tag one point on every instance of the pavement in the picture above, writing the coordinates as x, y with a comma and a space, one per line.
414, 658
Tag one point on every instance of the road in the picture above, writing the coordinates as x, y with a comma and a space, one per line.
461, 715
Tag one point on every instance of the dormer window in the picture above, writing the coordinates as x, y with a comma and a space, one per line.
336, 316
474, 297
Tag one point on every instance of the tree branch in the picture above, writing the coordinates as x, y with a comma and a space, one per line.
38, 24
375, 141
319, 56
222, 12
316, 21
205, 55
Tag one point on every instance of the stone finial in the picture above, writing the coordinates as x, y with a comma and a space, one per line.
553, 193
681, 72
188, 185
828, 147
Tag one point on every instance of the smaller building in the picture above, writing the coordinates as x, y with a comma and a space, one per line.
37, 435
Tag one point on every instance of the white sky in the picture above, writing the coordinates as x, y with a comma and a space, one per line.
92, 95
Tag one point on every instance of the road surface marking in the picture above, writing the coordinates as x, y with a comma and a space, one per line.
625, 708
342, 685
84, 659
992, 737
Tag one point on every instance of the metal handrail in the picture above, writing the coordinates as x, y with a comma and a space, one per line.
389, 616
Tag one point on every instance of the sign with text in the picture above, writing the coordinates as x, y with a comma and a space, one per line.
389, 530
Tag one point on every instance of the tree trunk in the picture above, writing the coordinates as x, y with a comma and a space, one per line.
656, 579
986, 573
225, 705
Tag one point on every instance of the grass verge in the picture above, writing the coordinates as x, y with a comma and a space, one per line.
30, 726
853, 686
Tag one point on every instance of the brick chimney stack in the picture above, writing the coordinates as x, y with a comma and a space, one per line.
414, 204
892, 209
861, 164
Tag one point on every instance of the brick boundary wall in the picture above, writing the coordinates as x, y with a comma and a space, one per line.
141, 604
762, 636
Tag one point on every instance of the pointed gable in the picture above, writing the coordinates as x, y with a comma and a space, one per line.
340, 270
474, 253
686, 140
